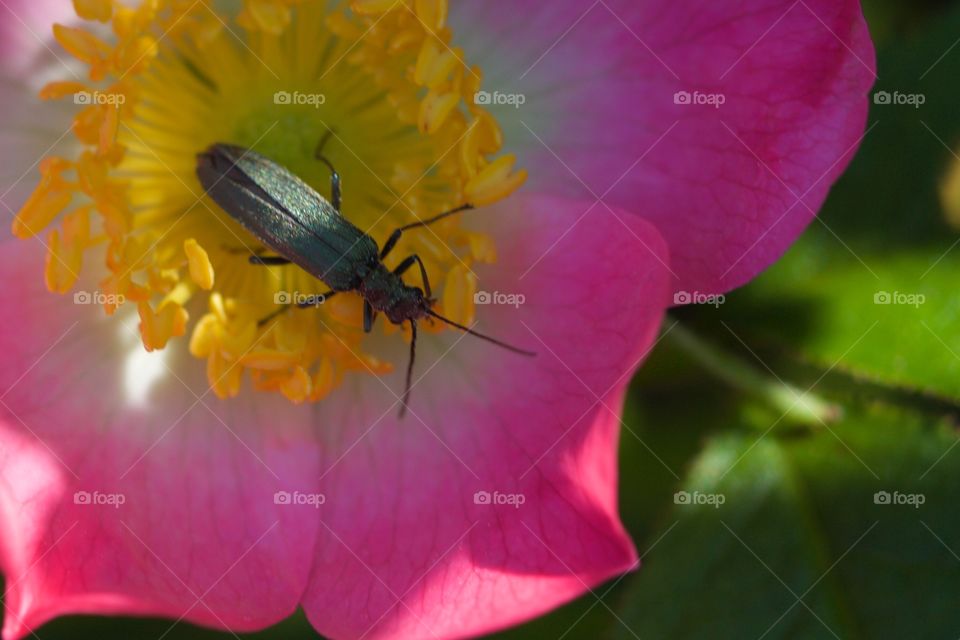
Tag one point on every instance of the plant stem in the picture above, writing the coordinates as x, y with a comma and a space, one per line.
796, 405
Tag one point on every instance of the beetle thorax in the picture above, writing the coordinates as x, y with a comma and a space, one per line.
388, 294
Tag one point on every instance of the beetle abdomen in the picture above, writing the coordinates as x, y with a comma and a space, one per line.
286, 214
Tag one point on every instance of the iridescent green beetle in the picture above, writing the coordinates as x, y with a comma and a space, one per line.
305, 229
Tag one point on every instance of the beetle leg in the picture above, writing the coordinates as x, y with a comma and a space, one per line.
369, 316
335, 196
268, 261
324, 140
407, 263
334, 183
300, 305
264, 320
312, 304
390, 243
242, 250
413, 357
395, 236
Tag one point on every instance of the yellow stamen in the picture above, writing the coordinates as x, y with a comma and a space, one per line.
47, 201
323, 382
65, 257
99, 10
225, 377
373, 7
57, 90
435, 110
459, 290
270, 360
433, 13
298, 386
495, 182
201, 270
157, 327
263, 15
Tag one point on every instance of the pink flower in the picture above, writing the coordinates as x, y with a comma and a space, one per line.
672, 148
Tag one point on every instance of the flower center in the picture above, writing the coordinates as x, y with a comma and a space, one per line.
377, 83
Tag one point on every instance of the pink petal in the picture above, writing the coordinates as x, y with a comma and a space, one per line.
26, 32
198, 520
404, 551
730, 188
198, 534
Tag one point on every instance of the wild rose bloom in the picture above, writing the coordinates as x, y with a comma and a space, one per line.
234, 472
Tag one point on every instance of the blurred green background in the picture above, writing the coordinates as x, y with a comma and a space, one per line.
802, 546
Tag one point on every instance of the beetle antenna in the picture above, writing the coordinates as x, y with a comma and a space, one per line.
436, 218
413, 357
477, 334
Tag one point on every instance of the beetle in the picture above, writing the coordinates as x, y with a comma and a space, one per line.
307, 230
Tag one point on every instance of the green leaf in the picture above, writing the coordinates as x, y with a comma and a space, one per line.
799, 547
898, 328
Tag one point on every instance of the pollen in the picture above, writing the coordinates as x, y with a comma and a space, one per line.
381, 82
